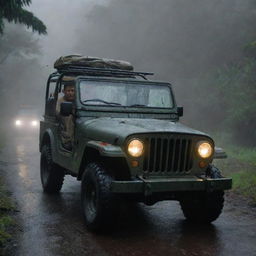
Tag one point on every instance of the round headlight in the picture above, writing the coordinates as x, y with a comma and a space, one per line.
135, 148
205, 149
18, 123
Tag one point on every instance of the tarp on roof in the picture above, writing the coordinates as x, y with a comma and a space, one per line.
92, 62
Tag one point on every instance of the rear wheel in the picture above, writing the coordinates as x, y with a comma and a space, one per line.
98, 202
52, 175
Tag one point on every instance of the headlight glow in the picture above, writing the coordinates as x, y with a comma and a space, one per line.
34, 123
204, 149
18, 123
135, 148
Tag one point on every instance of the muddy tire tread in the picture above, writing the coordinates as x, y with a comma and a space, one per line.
106, 208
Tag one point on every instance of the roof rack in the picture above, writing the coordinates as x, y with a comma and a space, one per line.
70, 69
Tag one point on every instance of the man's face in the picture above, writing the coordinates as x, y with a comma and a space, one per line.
69, 93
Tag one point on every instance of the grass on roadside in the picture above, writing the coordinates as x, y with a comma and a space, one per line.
246, 155
244, 171
240, 165
6, 208
6, 221
245, 183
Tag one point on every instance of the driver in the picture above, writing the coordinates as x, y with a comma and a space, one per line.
66, 122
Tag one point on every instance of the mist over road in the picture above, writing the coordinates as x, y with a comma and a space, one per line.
53, 224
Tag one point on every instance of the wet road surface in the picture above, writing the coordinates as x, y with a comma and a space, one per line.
53, 224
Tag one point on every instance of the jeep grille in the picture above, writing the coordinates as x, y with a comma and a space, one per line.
167, 155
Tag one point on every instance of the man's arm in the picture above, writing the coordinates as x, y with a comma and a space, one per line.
59, 101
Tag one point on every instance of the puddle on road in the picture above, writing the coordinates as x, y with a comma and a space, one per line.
23, 171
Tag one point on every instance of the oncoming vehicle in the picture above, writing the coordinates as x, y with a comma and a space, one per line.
128, 143
27, 118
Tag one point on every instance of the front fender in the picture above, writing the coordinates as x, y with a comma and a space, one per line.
219, 153
106, 149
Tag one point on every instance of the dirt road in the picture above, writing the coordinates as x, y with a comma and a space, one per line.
53, 224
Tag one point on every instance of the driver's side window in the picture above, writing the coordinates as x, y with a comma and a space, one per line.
50, 106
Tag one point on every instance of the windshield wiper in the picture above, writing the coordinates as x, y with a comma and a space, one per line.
137, 105
103, 101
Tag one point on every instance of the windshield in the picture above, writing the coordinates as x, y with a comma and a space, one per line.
125, 94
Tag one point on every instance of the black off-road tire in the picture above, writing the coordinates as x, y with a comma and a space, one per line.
204, 207
99, 204
213, 172
52, 175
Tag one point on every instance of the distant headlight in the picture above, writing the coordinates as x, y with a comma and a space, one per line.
34, 123
18, 123
204, 149
135, 148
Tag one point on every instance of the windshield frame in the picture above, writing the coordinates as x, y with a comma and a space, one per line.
107, 107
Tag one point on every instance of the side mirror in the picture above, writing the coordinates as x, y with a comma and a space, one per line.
180, 111
66, 108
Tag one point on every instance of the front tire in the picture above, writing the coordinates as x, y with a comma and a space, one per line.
98, 202
52, 175
204, 207
213, 172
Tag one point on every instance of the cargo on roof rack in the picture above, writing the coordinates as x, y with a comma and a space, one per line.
75, 70
94, 66
92, 62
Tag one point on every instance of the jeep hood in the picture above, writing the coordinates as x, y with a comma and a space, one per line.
117, 129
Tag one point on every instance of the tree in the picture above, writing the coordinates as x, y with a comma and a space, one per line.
12, 11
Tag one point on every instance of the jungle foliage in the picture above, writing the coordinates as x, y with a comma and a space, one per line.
231, 103
13, 11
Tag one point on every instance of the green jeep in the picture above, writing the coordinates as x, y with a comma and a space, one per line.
128, 144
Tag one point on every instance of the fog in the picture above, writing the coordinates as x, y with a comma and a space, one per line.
26, 58
64, 21
179, 40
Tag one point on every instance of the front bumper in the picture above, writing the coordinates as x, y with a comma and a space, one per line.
150, 186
